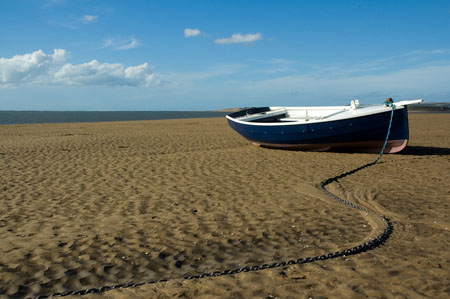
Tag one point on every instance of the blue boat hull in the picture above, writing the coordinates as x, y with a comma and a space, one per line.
366, 133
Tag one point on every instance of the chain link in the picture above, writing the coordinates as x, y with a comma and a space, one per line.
369, 245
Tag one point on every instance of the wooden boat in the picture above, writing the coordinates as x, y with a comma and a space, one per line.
356, 127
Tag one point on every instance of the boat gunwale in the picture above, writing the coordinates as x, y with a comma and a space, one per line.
382, 109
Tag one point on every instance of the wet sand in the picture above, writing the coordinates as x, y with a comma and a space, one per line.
92, 204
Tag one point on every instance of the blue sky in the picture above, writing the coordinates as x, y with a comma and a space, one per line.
205, 55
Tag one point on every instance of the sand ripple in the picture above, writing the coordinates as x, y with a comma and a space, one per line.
85, 205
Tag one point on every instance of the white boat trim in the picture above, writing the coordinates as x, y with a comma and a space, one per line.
339, 113
272, 112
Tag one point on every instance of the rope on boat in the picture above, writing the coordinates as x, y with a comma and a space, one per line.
369, 245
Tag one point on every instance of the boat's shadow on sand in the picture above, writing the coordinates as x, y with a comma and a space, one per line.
425, 151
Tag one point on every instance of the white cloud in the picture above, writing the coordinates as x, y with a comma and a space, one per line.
401, 84
41, 68
239, 38
188, 32
87, 19
177, 79
122, 44
274, 65
73, 22
421, 52
106, 74
30, 67
131, 44
259, 82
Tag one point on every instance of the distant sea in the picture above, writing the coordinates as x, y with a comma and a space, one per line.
44, 117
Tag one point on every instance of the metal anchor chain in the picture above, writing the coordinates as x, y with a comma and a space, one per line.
366, 246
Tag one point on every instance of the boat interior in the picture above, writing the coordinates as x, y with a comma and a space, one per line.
313, 114
298, 114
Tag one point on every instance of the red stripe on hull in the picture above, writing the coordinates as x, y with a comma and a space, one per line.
392, 146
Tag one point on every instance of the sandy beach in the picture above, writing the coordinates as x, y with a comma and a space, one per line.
86, 205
